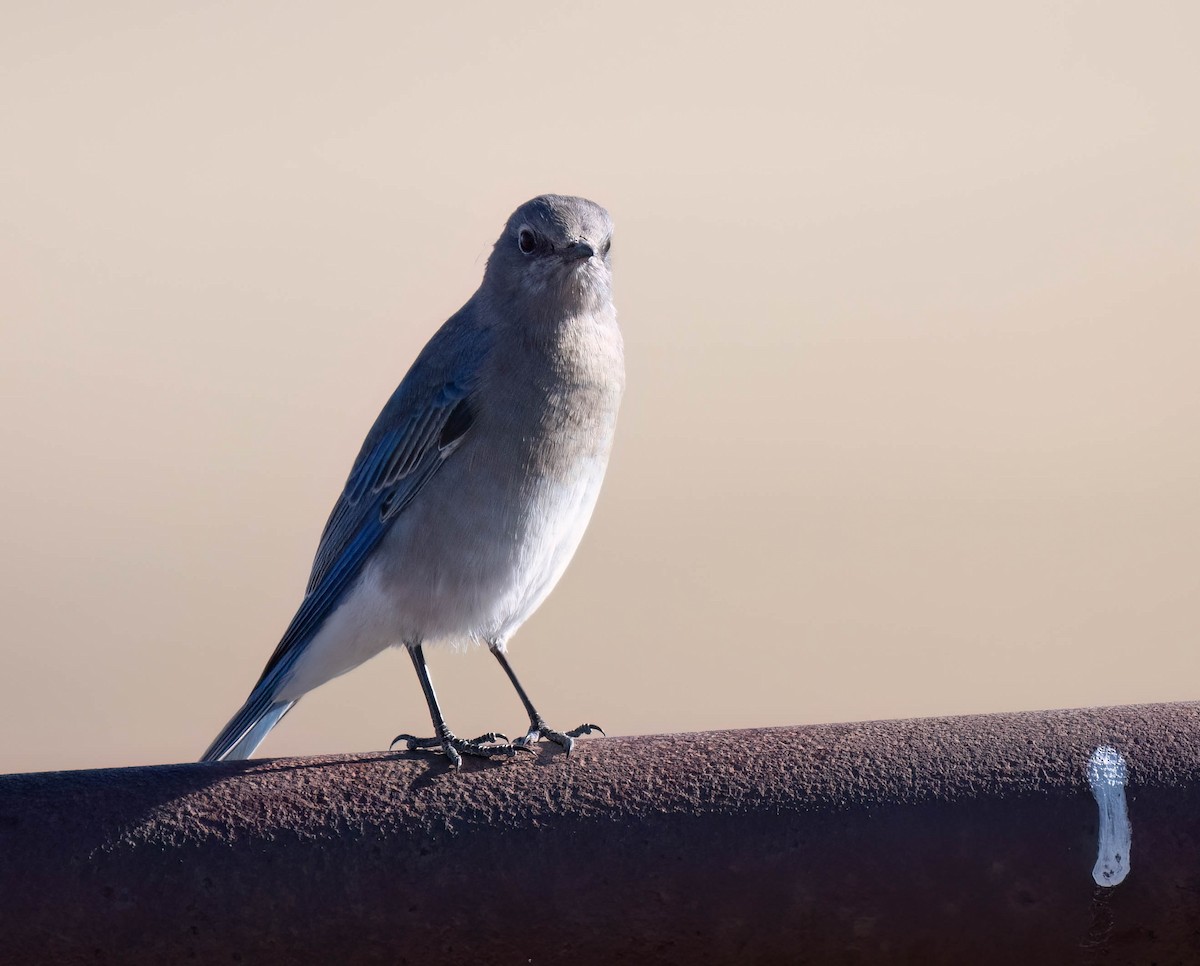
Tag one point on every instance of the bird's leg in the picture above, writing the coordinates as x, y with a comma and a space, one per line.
538, 728
445, 740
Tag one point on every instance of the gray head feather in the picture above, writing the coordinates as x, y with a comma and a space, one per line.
554, 248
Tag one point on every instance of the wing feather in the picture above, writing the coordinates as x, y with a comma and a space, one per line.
392, 468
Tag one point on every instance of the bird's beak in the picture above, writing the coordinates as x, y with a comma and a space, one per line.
579, 250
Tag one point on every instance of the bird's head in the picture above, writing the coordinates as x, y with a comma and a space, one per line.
554, 253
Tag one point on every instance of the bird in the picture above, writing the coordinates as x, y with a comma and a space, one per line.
474, 486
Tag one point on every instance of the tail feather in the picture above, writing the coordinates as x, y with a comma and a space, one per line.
247, 728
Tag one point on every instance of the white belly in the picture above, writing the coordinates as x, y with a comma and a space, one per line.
557, 527
483, 597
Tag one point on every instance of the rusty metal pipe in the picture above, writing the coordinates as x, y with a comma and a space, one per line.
938, 840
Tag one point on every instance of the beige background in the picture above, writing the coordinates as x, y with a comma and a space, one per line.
911, 305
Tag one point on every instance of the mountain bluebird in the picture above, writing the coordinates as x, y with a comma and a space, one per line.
474, 486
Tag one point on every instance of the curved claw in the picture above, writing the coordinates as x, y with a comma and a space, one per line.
585, 729
539, 730
414, 743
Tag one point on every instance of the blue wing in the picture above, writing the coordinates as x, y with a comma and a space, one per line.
424, 422
387, 475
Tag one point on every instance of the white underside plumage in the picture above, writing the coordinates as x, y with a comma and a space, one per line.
506, 584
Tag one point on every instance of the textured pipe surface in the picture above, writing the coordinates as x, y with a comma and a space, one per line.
939, 840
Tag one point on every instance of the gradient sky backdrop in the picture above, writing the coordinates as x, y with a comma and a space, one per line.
911, 304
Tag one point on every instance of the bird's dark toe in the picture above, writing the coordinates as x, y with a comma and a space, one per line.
413, 743
586, 729
539, 731
491, 737
491, 745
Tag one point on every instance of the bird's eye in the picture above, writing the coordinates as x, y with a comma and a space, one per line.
526, 241
606, 246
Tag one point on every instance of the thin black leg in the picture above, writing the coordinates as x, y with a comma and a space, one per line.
417, 653
444, 739
538, 728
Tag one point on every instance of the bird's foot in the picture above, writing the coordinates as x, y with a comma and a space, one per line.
491, 745
538, 729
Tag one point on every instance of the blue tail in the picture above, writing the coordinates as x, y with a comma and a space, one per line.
247, 728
